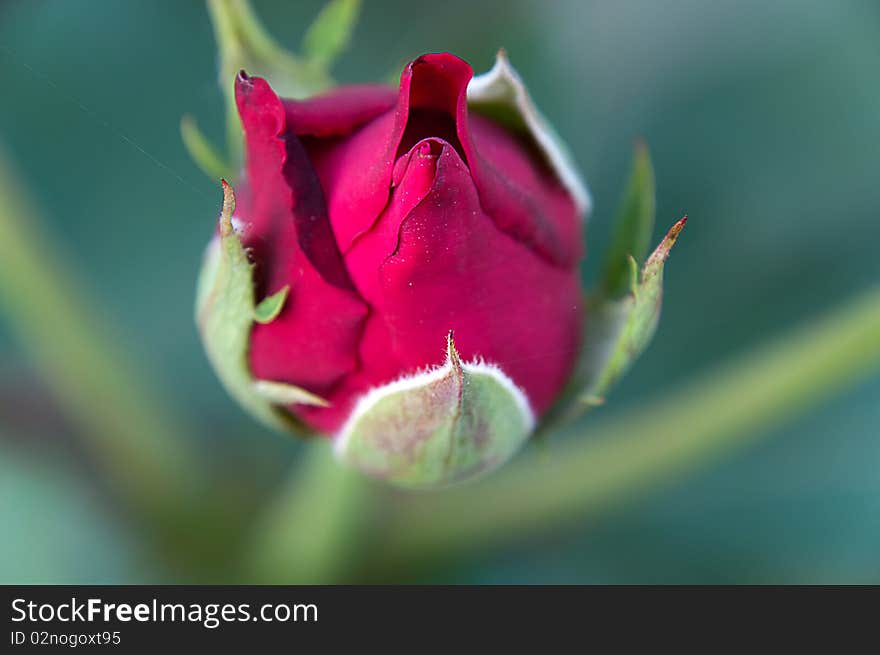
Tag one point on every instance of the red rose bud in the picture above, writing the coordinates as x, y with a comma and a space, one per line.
373, 223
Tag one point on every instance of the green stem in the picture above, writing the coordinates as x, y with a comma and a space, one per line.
230, 48
244, 43
140, 445
725, 409
308, 533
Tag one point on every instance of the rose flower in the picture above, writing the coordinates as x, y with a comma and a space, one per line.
385, 221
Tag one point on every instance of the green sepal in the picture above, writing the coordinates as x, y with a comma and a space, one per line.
632, 227
281, 393
439, 427
269, 307
617, 331
622, 312
631, 321
225, 314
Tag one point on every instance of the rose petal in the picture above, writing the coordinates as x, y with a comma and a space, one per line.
440, 263
313, 341
517, 188
339, 112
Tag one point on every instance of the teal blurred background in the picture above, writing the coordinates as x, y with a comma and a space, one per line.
764, 124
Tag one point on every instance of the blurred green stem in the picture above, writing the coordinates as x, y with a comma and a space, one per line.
307, 534
244, 43
139, 444
728, 408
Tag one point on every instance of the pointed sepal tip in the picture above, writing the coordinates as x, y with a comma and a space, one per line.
437, 427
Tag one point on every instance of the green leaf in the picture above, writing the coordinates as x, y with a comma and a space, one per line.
225, 314
331, 31
270, 306
203, 152
633, 226
438, 427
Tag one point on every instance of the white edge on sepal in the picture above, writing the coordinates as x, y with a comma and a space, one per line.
420, 379
503, 84
478, 367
